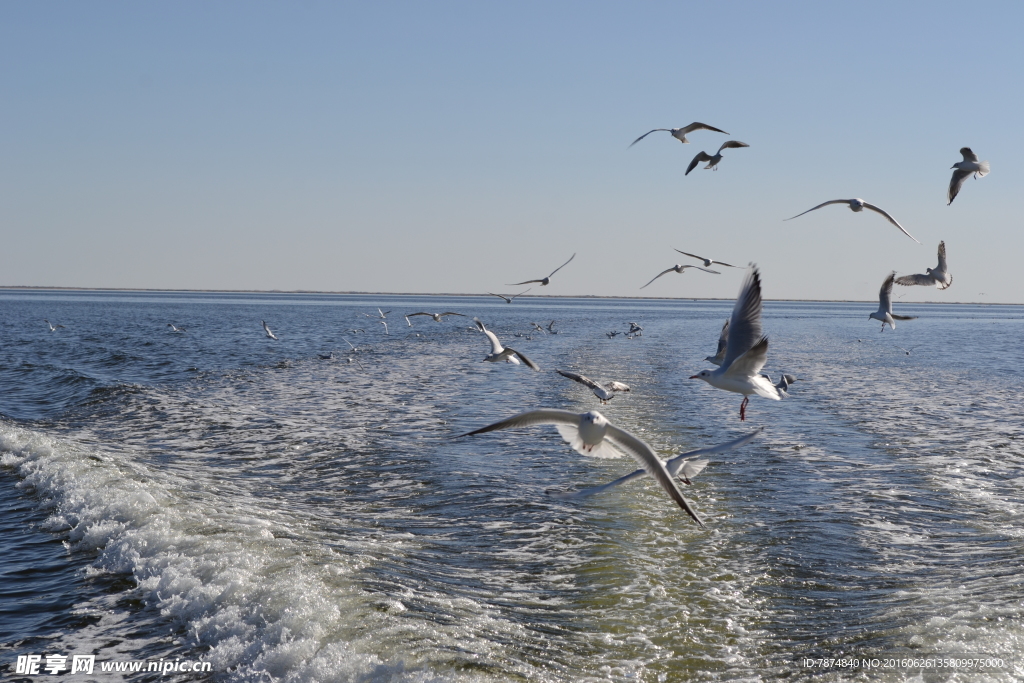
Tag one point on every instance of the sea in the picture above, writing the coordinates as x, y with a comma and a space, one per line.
217, 500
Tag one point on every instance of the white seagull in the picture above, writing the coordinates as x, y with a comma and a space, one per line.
884, 312
508, 299
746, 350
53, 328
713, 160
635, 329
723, 341
267, 330
937, 276
499, 353
680, 133
679, 269
963, 169
380, 314
384, 323
544, 281
592, 434
707, 261
857, 205
678, 466
175, 329
436, 316
605, 392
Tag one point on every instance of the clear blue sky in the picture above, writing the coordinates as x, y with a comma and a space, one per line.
454, 147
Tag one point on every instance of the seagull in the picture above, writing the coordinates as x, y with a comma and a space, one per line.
53, 328
508, 299
436, 316
723, 340
498, 352
707, 262
713, 160
612, 334
680, 133
964, 168
326, 356
783, 384
679, 269
546, 280
884, 312
678, 466
551, 327
635, 330
746, 349
349, 343
380, 314
592, 434
906, 351
938, 276
857, 205
605, 392
175, 329
382, 322
267, 330
537, 327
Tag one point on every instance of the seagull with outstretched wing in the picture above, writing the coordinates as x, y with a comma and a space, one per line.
544, 280
938, 276
713, 160
680, 133
962, 170
679, 269
605, 392
858, 205
884, 312
499, 352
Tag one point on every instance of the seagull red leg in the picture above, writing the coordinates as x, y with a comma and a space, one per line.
743, 408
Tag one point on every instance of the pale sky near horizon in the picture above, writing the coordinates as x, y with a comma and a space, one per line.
455, 147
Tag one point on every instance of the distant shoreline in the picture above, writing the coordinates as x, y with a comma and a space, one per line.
436, 294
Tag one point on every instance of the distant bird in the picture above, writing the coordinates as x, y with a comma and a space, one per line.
592, 434
349, 343
884, 312
723, 340
551, 328
384, 323
784, 382
906, 351
964, 169
938, 276
713, 160
605, 392
707, 262
544, 281
680, 133
635, 329
508, 299
679, 269
326, 356
678, 466
499, 353
746, 349
537, 327
358, 329
436, 316
175, 329
858, 205
612, 334
53, 328
380, 314
267, 330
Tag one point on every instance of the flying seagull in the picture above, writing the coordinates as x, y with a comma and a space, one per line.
385, 324
679, 269
679, 466
267, 330
380, 314
884, 312
508, 299
498, 352
174, 328
635, 329
963, 169
713, 160
746, 350
436, 316
858, 205
723, 341
53, 328
707, 262
551, 327
592, 434
605, 392
546, 280
680, 133
937, 276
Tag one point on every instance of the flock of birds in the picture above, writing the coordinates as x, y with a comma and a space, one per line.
740, 357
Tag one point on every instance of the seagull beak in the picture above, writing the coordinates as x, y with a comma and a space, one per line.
694, 377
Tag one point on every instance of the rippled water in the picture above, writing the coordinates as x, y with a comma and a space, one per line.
219, 495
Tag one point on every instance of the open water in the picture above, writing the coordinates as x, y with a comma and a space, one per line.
216, 495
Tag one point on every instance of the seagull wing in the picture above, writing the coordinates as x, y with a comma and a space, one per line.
942, 256
673, 465
730, 144
723, 341
617, 386
667, 130
451, 313
516, 284
652, 464
701, 126
745, 323
421, 313
916, 279
562, 266
495, 344
507, 300
706, 270
968, 154
520, 293
529, 363
834, 201
885, 294
891, 220
751, 362
701, 156
531, 418
585, 381
349, 343
686, 253
956, 182
659, 275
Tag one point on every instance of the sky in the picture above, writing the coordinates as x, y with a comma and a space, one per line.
460, 146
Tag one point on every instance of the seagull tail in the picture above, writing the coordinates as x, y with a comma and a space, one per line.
983, 169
